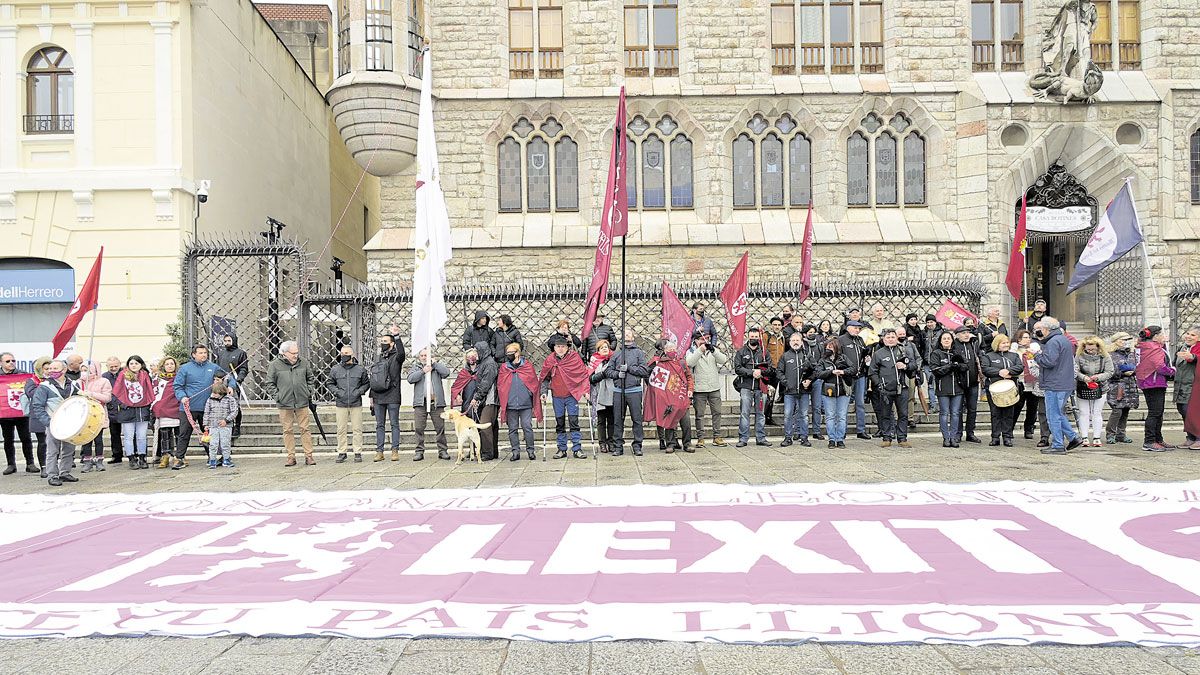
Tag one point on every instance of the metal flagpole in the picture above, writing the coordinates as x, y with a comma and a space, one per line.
1145, 253
92, 341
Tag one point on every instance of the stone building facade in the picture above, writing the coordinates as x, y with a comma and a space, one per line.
735, 76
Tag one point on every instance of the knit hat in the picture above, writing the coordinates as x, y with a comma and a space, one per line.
910, 315
930, 317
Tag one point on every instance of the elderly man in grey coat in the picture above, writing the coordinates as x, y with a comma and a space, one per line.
429, 400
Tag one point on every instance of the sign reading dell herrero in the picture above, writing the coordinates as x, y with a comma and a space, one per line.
37, 286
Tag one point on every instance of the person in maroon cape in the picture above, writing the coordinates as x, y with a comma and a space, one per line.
519, 404
669, 396
1186, 400
466, 383
565, 377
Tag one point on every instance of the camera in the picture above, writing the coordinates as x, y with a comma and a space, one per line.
202, 192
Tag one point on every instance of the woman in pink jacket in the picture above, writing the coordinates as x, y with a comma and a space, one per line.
1152, 371
92, 385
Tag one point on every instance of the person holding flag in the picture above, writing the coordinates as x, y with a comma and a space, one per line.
668, 396
564, 378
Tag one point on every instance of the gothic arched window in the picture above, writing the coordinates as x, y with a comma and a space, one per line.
885, 162
531, 177
783, 172
659, 161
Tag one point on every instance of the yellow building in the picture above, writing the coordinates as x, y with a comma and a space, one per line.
112, 116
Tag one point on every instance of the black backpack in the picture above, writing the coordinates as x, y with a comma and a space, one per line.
380, 375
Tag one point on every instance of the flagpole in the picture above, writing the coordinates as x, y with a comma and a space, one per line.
92, 341
1145, 254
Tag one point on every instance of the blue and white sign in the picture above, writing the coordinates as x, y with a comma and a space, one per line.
37, 286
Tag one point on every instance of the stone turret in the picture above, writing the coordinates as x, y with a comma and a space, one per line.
374, 99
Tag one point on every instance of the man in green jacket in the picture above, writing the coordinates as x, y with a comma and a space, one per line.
293, 382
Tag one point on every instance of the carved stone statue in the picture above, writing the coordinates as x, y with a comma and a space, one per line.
1067, 69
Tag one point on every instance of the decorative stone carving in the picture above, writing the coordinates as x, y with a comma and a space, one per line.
1068, 73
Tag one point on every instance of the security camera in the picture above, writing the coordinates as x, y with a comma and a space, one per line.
202, 193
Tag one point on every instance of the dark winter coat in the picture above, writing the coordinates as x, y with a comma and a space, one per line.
948, 372
746, 361
885, 373
504, 338
600, 331
1057, 363
348, 382
993, 362
1122, 387
835, 385
293, 383
1185, 376
792, 369
113, 406
476, 333
636, 368
233, 360
395, 364
969, 351
486, 373
855, 352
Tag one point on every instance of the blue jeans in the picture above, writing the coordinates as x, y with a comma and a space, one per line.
795, 415
818, 405
382, 412
931, 389
133, 438
566, 409
860, 405
836, 408
950, 416
751, 405
1061, 431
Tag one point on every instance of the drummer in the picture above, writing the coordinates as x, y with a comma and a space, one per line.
47, 397
1000, 365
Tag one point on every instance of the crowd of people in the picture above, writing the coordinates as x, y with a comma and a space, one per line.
904, 370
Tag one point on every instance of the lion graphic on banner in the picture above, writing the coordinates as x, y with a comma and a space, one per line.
271, 544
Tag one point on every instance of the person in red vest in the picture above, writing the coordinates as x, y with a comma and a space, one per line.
519, 404
565, 377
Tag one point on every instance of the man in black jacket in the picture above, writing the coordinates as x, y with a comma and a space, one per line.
484, 407
854, 350
234, 360
479, 331
506, 334
966, 346
384, 377
753, 368
348, 382
889, 377
628, 368
600, 331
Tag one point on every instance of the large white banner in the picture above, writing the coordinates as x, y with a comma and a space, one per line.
1011, 563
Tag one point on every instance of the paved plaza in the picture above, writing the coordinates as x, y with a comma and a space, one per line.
860, 462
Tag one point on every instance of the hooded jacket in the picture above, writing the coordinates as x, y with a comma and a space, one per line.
1153, 368
601, 331
348, 382
476, 333
233, 360
485, 374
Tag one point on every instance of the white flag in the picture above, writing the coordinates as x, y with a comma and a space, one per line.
431, 241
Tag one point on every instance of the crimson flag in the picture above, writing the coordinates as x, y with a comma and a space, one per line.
667, 394
11, 387
952, 315
676, 322
613, 221
87, 300
1016, 259
1191, 420
733, 296
806, 256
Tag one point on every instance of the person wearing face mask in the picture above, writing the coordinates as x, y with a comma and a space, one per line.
466, 382
794, 370
837, 379
1032, 395
1122, 391
814, 353
966, 345
601, 395
518, 392
930, 333
668, 402
483, 406
702, 323
234, 361
889, 377
385, 377
627, 367
47, 397
348, 382
853, 351
753, 368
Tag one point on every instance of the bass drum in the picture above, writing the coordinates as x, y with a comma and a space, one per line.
1004, 393
78, 420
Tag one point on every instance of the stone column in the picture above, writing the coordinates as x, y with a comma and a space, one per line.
164, 117
84, 104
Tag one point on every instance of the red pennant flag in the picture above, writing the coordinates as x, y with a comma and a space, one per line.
676, 322
612, 221
87, 300
806, 256
1015, 278
733, 296
952, 315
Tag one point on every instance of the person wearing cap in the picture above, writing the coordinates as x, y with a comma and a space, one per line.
852, 314
967, 347
854, 353
1038, 313
775, 344
706, 361
1122, 389
990, 327
931, 332
1057, 363
1185, 377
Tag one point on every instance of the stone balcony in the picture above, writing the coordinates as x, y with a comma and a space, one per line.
376, 114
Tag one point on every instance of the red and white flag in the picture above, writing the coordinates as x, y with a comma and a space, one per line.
1015, 278
806, 257
431, 240
733, 296
87, 300
612, 221
952, 315
676, 322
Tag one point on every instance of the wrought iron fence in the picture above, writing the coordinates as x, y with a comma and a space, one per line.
251, 290
357, 318
1185, 307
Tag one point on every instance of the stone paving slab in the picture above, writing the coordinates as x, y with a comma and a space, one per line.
860, 461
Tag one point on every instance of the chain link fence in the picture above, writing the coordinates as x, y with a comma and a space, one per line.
251, 290
358, 317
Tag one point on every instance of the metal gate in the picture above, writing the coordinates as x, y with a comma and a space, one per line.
357, 318
251, 290
1185, 307
1120, 299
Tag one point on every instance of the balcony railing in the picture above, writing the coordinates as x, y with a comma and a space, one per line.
783, 59
872, 57
1102, 55
666, 62
841, 58
49, 124
637, 61
983, 56
550, 63
520, 64
1012, 54
1131, 55
812, 58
